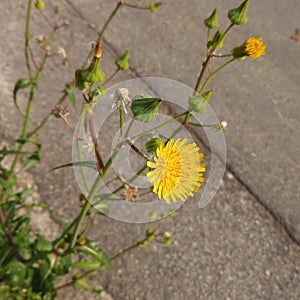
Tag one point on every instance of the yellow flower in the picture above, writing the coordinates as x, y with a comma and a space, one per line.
177, 170
254, 47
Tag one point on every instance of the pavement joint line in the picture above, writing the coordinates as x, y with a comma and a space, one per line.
228, 167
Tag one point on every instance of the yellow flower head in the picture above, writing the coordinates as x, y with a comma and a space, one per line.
177, 170
254, 47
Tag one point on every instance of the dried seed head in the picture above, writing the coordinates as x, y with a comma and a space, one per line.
60, 111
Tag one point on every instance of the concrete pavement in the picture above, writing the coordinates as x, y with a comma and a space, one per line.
236, 248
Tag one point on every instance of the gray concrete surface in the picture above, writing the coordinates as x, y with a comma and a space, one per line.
244, 244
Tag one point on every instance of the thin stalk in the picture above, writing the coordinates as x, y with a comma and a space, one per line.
208, 79
90, 197
109, 20
121, 116
27, 36
135, 6
111, 77
159, 126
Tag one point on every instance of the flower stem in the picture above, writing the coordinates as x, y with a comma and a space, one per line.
161, 125
214, 73
111, 77
27, 36
109, 20
90, 198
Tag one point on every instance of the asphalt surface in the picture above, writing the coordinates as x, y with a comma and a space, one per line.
245, 243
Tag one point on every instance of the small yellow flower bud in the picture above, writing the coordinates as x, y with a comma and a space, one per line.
253, 47
238, 16
39, 4
212, 21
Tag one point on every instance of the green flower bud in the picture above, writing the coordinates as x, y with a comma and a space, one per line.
39, 4
198, 103
218, 39
153, 145
145, 107
122, 62
212, 21
150, 234
92, 74
79, 82
153, 6
238, 16
207, 95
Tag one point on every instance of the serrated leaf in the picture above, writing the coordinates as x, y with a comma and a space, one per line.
88, 164
21, 84
95, 251
71, 94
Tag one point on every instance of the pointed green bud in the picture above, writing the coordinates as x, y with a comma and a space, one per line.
218, 39
145, 107
92, 74
122, 62
153, 6
212, 21
153, 145
207, 95
238, 16
198, 103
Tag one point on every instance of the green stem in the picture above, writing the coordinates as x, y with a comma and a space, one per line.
27, 36
121, 115
185, 121
159, 126
111, 77
135, 6
109, 20
208, 79
90, 198
129, 181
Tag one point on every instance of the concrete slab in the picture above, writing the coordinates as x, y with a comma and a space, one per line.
233, 249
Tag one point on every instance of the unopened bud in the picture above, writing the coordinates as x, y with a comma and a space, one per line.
39, 4
238, 16
122, 62
212, 21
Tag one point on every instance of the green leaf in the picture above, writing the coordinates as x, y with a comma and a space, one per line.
71, 94
15, 271
42, 245
21, 84
95, 251
88, 164
87, 265
31, 161
145, 107
153, 6
6, 152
